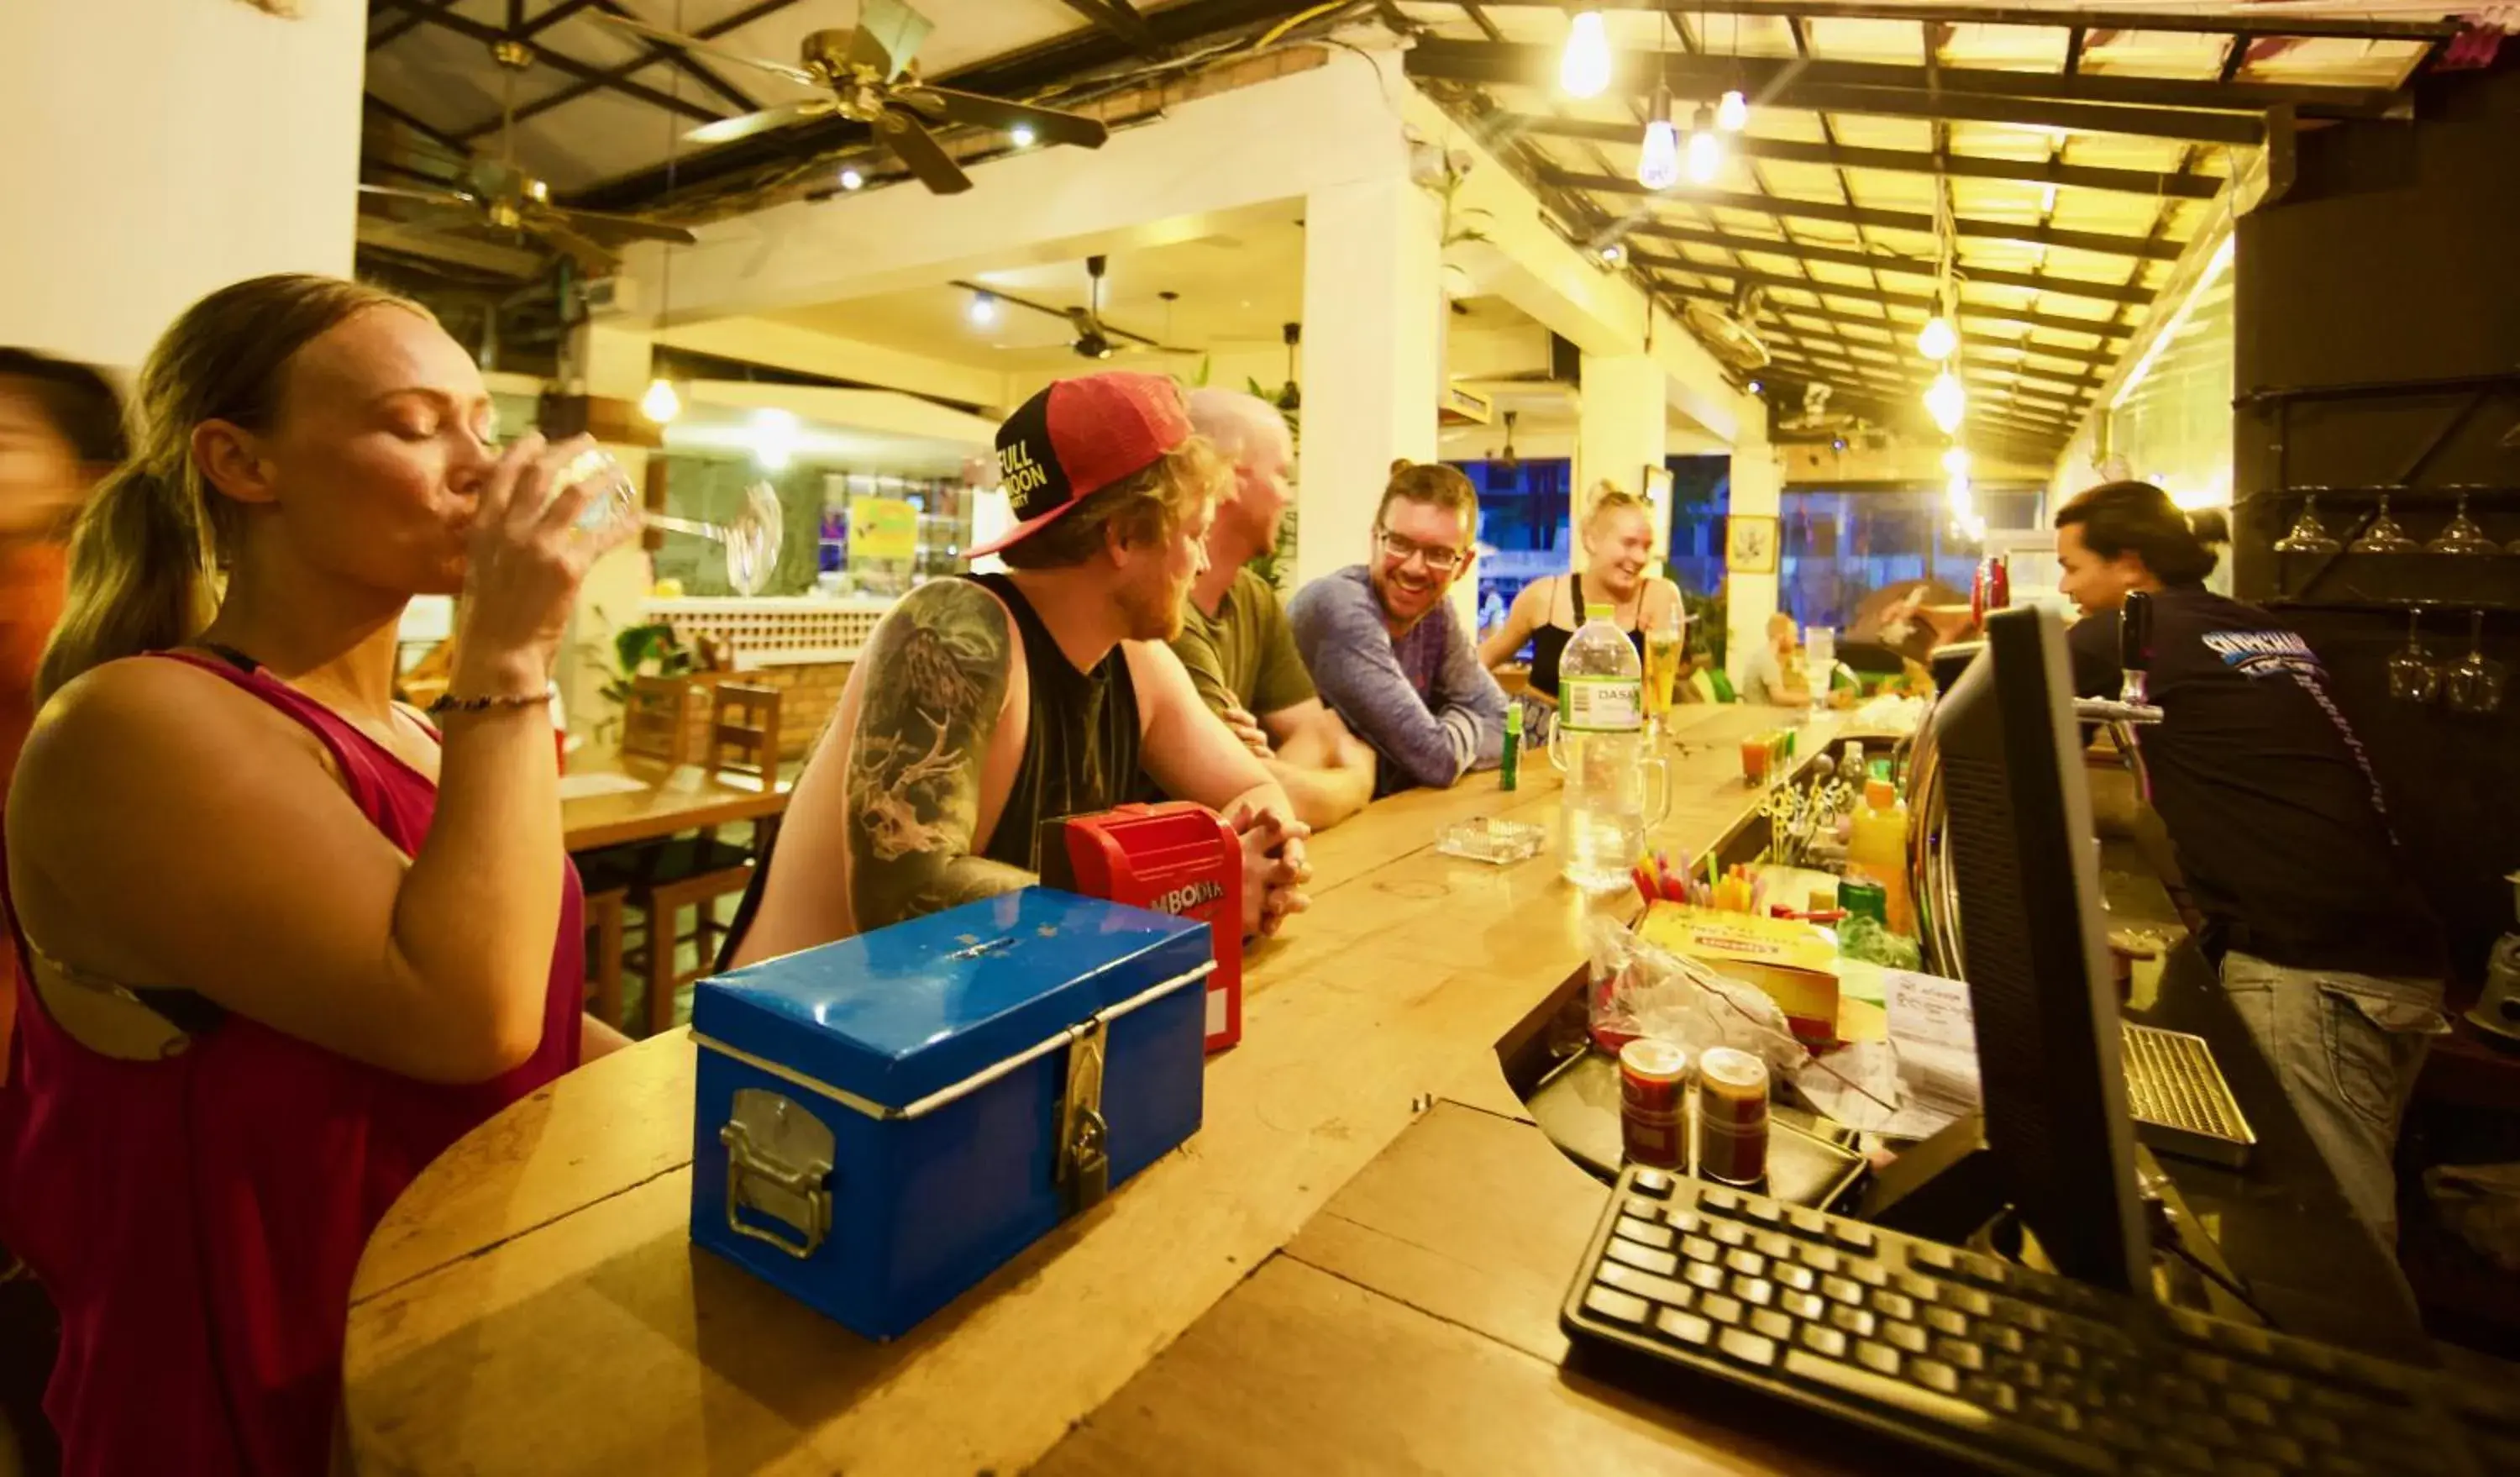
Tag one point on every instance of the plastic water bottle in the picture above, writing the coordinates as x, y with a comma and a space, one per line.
1599, 741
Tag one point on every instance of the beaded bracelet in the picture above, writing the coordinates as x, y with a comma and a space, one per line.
450, 703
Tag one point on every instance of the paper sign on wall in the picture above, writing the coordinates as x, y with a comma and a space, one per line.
882, 528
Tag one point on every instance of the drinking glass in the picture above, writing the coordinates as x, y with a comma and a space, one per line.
751, 539
2412, 675
1662, 666
1820, 664
2475, 684
2384, 536
2463, 536
2307, 536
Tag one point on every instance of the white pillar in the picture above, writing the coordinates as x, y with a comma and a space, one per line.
1372, 362
1619, 435
158, 149
1758, 485
613, 359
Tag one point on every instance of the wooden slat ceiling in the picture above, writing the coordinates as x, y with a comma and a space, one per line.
2076, 153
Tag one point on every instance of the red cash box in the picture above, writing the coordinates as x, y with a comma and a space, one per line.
1175, 857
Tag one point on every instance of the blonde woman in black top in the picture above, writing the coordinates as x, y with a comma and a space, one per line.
1618, 550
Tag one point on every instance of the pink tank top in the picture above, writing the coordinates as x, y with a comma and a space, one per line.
197, 1219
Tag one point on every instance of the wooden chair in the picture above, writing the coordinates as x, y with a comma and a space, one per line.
700, 873
652, 718
743, 732
604, 926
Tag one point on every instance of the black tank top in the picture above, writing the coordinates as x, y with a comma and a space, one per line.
1080, 753
1081, 745
1549, 639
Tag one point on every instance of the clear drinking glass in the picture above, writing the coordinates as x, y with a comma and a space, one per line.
2307, 536
2463, 536
751, 538
2475, 684
2384, 536
2412, 675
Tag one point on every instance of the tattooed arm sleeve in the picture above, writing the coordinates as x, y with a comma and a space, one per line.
936, 681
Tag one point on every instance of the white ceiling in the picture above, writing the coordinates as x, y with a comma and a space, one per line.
450, 81
1237, 287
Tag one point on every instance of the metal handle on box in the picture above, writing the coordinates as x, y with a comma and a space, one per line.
787, 1153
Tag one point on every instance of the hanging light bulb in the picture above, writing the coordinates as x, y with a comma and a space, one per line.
984, 310
774, 439
1583, 68
1937, 339
1947, 402
1955, 463
850, 179
1658, 167
661, 404
1705, 150
1021, 135
1733, 114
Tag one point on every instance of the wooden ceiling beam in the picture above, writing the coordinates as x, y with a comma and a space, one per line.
2341, 27
2147, 248
2148, 183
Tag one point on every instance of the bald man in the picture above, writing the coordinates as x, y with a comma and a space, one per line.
1234, 641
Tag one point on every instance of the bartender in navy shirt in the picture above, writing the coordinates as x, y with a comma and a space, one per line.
2327, 948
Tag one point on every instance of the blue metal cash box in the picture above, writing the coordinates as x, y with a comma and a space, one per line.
883, 1121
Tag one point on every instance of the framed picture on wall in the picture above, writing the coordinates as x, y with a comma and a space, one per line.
1750, 544
1658, 486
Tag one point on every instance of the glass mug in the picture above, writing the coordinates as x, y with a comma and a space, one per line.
751, 538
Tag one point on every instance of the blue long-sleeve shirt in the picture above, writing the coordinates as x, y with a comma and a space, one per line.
1423, 701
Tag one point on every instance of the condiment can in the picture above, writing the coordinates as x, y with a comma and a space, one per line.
1731, 1117
1862, 897
1654, 1086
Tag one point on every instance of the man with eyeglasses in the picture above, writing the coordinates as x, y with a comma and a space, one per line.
1389, 654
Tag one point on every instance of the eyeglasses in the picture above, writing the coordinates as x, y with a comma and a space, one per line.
1436, 558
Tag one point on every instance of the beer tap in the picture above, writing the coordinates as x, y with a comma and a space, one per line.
2131, 706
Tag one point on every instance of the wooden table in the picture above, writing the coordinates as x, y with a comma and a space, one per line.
533, 1303
669, 800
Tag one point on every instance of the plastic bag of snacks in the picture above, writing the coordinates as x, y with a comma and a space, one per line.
1640, 990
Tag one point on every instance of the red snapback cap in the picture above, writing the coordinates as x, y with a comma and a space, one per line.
1079, 436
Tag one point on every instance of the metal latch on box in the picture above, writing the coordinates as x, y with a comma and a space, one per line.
1084, 1139
778, 1166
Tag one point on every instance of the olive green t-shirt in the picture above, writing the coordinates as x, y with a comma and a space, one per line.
1245, 651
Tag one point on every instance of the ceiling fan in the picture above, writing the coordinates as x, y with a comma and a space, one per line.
870, 78
1095, 339
1729, 335
1506, 461
494, 193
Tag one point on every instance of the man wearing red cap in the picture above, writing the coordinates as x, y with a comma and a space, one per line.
987, 703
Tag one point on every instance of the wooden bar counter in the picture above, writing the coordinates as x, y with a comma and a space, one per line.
533, 1303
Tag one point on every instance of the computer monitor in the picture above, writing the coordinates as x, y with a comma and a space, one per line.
2017, 825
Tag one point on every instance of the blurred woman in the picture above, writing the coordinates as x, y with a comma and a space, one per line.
61, 430
283, 940
1618, 548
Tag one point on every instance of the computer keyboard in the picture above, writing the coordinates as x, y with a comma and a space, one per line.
2002, 1367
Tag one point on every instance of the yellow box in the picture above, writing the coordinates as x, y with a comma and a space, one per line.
1793, 961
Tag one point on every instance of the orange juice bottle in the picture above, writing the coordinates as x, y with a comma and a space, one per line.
1877, 851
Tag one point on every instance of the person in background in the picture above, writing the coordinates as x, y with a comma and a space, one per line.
1776, 675
988, 703
1391, 656
1618, 548
2330, 953
61, 430
1233, 640
280, 943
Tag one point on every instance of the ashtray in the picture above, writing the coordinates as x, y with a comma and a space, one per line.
1483, 840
